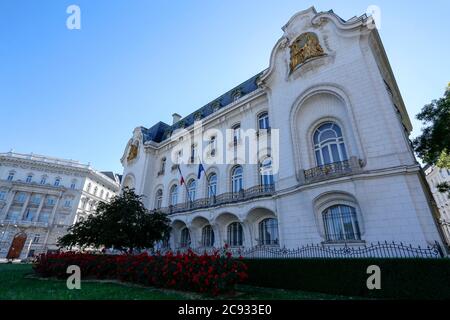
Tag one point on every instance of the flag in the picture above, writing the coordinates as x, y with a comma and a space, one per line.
200, 169
182, 178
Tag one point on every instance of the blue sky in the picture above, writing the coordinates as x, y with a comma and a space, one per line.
78, 94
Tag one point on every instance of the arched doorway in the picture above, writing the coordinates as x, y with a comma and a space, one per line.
17, 246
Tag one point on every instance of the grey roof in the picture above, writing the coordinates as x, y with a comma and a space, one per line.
162, 131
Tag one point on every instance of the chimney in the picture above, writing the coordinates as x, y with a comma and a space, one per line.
176, 117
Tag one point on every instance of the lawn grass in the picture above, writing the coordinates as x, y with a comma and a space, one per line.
17, 283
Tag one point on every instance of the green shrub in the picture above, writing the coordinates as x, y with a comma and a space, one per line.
400, 278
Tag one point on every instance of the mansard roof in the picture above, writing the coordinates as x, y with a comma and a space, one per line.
161, 131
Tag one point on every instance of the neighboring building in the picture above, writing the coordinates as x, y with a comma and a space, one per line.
41, 196
436, 176
342, 172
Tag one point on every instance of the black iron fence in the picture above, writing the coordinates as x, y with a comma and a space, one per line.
373, 250
327, 170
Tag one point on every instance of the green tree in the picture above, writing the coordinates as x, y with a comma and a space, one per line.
123, 224
435, 137
444, 163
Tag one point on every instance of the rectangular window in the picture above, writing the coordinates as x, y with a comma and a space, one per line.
67, 204
29, 178
2, 195
10, 177
44, 217
50, 201
72, 186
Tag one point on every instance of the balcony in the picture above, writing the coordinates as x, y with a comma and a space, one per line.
332, 170
224, 198
24, 223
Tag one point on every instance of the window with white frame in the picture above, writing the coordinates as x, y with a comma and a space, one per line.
268, 232
88, 188
158, 199
237, 182
29, 178
192, 188
29, 214
266, 172
95, 191
73, 184
235, 234
3, 195
163, 165
212, 185
185, 238
10, 176
37, 238
212, 145
20, 197
51, 201
174, 195
43, 179
44, 216
67, 203
341, 223
35, 199
329, 145
236, 133
263, 121
207, 236
57, 182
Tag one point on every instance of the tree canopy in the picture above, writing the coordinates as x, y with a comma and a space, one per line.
435, 137
123, 224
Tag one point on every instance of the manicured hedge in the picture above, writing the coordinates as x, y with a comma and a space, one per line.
400, 278
214, 273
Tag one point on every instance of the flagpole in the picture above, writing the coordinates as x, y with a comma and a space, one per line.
185, 184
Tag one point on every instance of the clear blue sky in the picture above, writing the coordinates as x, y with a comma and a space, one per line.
78, 94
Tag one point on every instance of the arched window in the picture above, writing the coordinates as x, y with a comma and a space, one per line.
191, 186
185, 239
158, 199
207, 236
266, 172
174, 195
212, 185
237, 182
268, 232
341, 223
263, 121
329, 144
235, 234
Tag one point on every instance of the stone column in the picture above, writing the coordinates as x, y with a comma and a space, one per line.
24, 207
38, 212
52, 217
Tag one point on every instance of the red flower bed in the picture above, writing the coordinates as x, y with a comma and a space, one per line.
214, 273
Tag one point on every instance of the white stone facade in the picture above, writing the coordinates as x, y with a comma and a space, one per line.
40, 197
436, 176
371, 191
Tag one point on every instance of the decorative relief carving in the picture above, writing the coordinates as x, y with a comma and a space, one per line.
305, 47
132, 154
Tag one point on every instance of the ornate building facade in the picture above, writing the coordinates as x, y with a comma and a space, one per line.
337, 168
436, 176
40, 197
